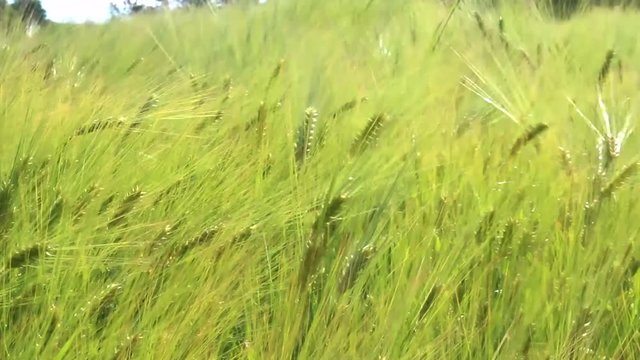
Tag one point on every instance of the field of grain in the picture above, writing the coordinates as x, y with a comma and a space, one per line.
322, 180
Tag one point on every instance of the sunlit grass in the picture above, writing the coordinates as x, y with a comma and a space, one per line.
322, 180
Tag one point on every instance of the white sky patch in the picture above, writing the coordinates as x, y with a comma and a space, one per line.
79, 11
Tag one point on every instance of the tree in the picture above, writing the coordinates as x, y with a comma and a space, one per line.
204, 2
30, 11
194, 2
124, 7
128, 7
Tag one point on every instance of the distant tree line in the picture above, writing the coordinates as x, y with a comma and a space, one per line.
135, 6
566, 8
30, 11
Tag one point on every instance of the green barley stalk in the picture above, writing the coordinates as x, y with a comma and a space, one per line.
134, 65
567, 162
606, 67
275, 74
26, 256
209, 120
6, 211
317, 243
529, 135
348, 106
620, 180
203, 238
355, 264
106, 204
485, 225
53, 325
370, 133
163, 236
620, 71
126, 351
107, 304
238, 239
630, 271
480, 23
79, 209
259, 124
126, 207
55, 214
98, 125
442, 26
150, 104
428, 302
306, 138
503, 36
227, 87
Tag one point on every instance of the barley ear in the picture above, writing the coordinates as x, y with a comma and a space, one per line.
567, 162
126, 207
348, 106
485, 225
101, 312
370, 133
606, 66
503, 36
480, 23
428, 301
203, 238
354, 266
317, 243
26, 256
532, 133
275, 74
306, 139
259, 123
98, 125
620, 180
55, 214
134, 65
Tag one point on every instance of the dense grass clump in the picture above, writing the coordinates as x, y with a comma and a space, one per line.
322, 180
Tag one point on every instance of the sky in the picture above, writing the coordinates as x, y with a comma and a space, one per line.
78, 11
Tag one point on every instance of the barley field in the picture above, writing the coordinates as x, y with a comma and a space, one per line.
322, 180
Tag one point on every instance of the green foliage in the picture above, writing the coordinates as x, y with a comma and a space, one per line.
322, 180
30, 10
